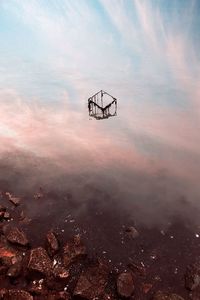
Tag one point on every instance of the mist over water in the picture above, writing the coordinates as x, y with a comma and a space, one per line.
64, 151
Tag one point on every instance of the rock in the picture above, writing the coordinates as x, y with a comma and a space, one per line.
37, 287
8, 256
15, 270
15, 295
58, 296
39, 262
138, 269
16, 236
6, 215
146, 287
1, 215
2, 208
58, 279
52, 243
60, 273
166, 296
131, 232
125, 285
92, 283
2, 212
107, 296
192, 276
12, 199
73, 250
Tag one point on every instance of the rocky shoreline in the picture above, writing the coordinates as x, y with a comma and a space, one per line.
64, 270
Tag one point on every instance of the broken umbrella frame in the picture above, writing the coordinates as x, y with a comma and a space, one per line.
97, 109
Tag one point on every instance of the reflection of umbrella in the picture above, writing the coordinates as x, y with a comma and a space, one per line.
97, 109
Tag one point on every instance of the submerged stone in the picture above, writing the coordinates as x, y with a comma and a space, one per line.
15, 295
125, 285
92, 283
73, 250
52, 243
39, 262
166, 296
16, 236
192, 276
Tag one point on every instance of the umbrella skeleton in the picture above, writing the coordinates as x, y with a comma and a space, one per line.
97, 109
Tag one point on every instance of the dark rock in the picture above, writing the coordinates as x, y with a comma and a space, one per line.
15, 270
73, 250
12, 199
192, 276
52, 243
59, 278
15, 295
39, 262
16, 236
92, 283
131, 232
58, 296
107, 296
166, 296
37, 287
60, 273
1, 215
146, 287
8, 256
137, 268
125, 284
2, 208
6, 215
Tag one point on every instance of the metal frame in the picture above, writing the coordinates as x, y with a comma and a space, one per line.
97, 110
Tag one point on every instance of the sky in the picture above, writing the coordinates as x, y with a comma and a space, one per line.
55, 54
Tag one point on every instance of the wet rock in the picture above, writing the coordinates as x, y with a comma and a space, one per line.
137, 268
146, 287
166, 296
131, 232
60, 273
16, 236
6, 215
37, 287
15, 295
2, 212
92, 283
73, 250
39, 194
23, 218
52, 243
58, 296
15, 270
192, 276
12, 199
1, 215
125, 285
39, 262
58, 279
107, 296
2, 208
8, 256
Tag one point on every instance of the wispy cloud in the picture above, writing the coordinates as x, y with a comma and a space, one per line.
134, 49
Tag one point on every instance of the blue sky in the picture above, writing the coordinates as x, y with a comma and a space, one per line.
81, 46
56, 53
